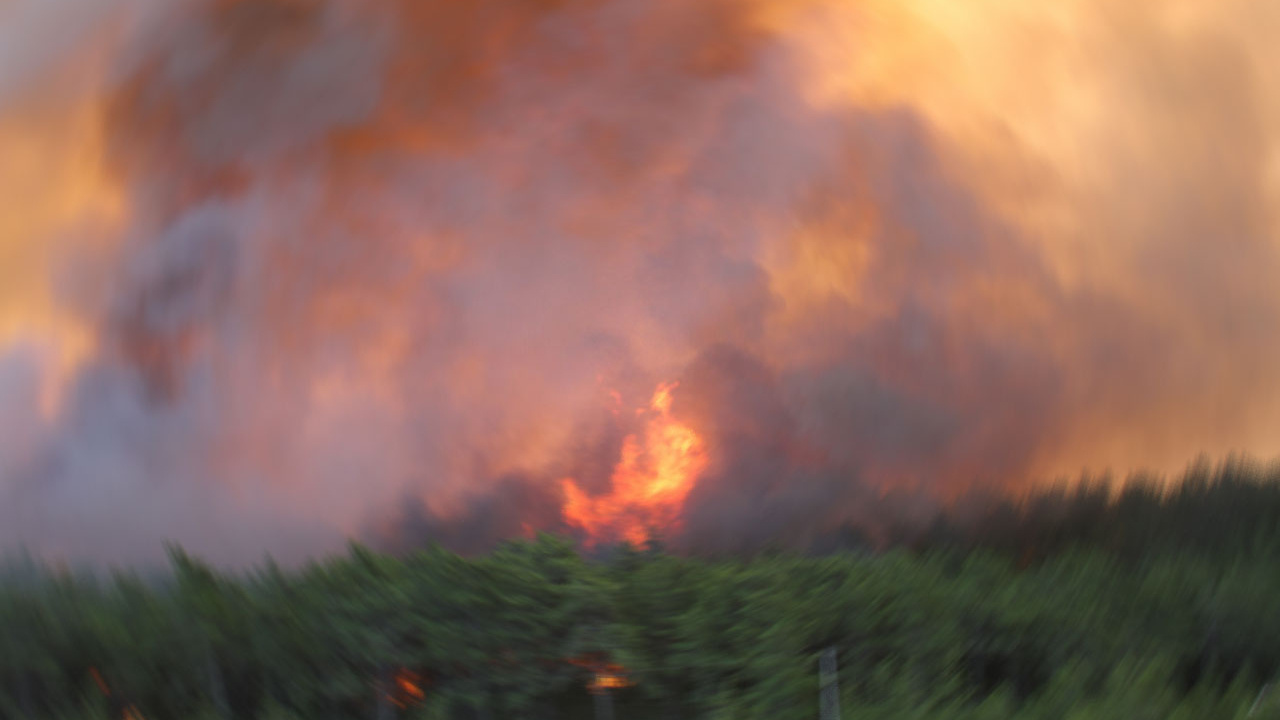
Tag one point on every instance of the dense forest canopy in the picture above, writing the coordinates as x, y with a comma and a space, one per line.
1090, 602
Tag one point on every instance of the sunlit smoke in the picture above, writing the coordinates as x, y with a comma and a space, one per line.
280, 272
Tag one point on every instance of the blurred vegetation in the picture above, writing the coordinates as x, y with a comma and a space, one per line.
1091, 603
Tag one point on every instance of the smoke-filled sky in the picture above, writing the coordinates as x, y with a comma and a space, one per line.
278, 272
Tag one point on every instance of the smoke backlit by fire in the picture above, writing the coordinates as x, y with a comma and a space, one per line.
274, 273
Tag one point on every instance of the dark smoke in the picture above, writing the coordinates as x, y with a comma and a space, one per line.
404, 249
511, 509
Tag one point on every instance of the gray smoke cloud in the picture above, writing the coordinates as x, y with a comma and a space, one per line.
405, 250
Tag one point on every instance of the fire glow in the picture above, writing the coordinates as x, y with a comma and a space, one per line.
650, 482
406, 689
605, 675
277, 274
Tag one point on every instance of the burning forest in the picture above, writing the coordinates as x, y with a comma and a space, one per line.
281, 273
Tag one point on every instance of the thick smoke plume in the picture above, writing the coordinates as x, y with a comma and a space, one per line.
280, 272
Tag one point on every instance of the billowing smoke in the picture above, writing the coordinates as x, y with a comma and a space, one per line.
281, 272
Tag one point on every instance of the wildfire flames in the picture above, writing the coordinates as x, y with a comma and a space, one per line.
406, 689
275, 274
650, 482
605, 675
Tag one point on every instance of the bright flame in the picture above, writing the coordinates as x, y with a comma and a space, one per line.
608, 681
407, 689
605, 675
649, 483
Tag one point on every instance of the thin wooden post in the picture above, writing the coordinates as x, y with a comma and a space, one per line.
384, 685
24, 694
828, 686
604, 704
217, 687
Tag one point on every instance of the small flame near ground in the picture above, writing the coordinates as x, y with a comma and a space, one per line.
654, 475
406, 689
605, 675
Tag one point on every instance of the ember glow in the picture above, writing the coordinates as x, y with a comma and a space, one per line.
278, 273
648, 487
406, 690
605, 675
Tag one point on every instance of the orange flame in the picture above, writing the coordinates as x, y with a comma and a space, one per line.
649, 483
608, 681
605, 675
406, 689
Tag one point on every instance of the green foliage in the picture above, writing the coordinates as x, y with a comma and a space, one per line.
1160, 619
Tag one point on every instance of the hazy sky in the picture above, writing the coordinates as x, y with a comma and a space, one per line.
270, 267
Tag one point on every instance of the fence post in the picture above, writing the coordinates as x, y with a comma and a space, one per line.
604, 704
828, 686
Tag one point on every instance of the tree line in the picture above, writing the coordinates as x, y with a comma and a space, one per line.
1089, 602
